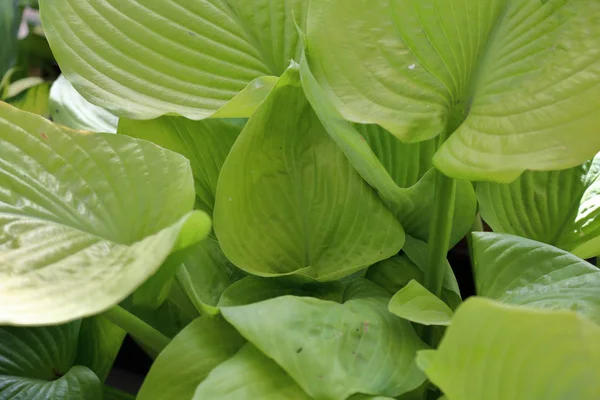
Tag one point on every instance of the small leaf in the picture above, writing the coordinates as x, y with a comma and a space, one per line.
205, 143
189, 358
249, 375
516, 270
144, 59
494, 351
561, 208
69, 108
84, 219
334, 350
416, 304
33, 99
287, 180
206, 274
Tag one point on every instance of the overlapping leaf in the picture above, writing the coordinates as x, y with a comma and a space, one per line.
69, 108
144, 59
515, 270
10, 18
513, 82
401, 173
494, 351
285, 179
205, 143
561, 208
84, 219
334, 350
190, 357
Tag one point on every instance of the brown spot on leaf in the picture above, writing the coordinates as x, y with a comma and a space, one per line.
44, 136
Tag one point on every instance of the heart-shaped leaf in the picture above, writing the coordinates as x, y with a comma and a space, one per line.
401, 173
512, 82
144, 59
84, 219
515, 270
561, 208
334, 350
494, 351
38, 364
205, 143
287, 180
202, 346
249, 375
416, 304
69, 108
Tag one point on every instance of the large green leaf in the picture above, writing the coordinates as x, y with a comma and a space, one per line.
286, 180
512, 81
515, 270
38, 364
189, 358
84, 219
205, 143
205, 274
249, 375
99, 343
69, 108
144, 59
561, 208
10, 17
494, 351
401, 173
334, 350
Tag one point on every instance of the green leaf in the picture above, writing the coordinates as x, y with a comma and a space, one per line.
249, 375
33, 100
144, 59
38, 364
205, 274
494, 351
69, 108
99, 343
334, 350
416, 304
401, 173
190, 357
512, 82
515, 270
395, 273
79, 383
287, 180
84, 219
205, 143
561, 208
254, 289
10, 17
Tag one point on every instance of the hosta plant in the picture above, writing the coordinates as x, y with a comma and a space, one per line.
263, 195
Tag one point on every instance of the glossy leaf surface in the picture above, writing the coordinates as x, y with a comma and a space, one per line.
144, 59
84, 219
494, 351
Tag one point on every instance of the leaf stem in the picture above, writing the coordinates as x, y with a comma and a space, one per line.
440, 231
137, 328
